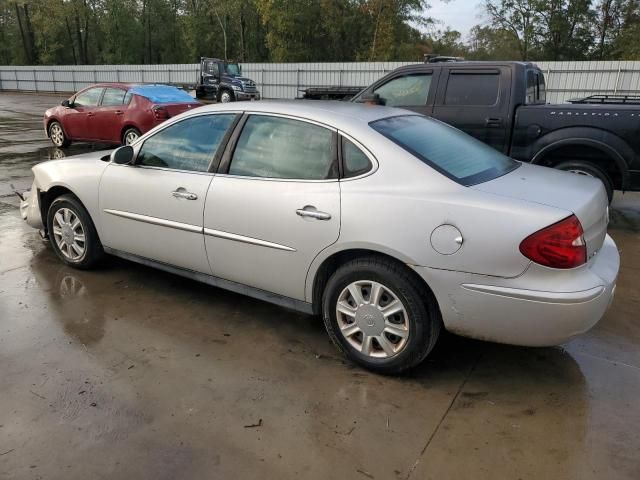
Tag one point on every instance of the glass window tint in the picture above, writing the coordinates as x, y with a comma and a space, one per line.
273, 147
448, 150
405, 91
542, 92
532, 86
113, 96
88, 98
354, 160
127, 98
472, 89
186, 145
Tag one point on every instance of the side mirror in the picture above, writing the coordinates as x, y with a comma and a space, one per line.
122, 155
66, 103
240, 68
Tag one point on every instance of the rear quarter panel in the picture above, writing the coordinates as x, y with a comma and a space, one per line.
139, 115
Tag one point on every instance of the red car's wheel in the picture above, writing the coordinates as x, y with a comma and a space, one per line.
57, 135
130, 135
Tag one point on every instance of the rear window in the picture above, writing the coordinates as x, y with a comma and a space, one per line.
451, 152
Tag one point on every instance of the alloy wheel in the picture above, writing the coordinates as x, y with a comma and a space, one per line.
372, 319
56, 134
69, 234
225, 97
130, 137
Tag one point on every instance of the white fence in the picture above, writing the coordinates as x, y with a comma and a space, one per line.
285, 80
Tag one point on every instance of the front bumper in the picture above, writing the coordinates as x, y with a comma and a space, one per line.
541, 307
246, 96
30, 208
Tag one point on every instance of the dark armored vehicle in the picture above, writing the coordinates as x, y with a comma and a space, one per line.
504, 105
223, 81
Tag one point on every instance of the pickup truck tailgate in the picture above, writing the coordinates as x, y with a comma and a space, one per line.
578, 194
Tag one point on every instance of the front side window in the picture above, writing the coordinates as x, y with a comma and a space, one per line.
113, 96
187, 145
274, 147
470, 88
451, 152
88, 98
408, 90
354, 161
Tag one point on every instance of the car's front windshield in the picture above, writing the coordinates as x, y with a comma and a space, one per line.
232, 69
451, 152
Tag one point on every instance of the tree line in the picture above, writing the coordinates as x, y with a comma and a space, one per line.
34, 32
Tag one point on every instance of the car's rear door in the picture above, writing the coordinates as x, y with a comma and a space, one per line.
274, 203
475, 99
78, 117
412, 89
154, 208
107, 118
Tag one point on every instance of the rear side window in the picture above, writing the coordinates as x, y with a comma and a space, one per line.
354, 161
469, 88
274, 147
88, 98
113, 96
408, 90
187, 145
451, 152
535, 87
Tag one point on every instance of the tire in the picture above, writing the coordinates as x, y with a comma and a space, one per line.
57, 135
590, 170
130, 135
62, 215
418, 322
226, 96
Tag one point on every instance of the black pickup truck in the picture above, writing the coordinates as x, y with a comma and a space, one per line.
504, 105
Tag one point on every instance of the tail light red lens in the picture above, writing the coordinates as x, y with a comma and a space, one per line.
160, 113
560, 245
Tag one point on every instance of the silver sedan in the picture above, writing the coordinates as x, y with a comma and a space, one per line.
388, 224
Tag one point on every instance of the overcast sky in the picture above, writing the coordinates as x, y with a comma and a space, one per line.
459, 15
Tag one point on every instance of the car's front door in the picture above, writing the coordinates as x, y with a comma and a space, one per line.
412, 89
78, 117
274, 205
107, 118
154, 207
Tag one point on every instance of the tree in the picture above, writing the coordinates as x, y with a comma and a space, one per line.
520, 18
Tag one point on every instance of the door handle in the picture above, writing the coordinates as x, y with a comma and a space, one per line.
493, 121
119, 112
311, 212
90, 114
184, 194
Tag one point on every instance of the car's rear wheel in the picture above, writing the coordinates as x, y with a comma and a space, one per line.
57, 135
130, 135
379, 315
73, 236
589, 170
226, 96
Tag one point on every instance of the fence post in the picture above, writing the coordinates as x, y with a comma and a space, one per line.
53, 79
73, 80
262, 81
15, 72
118, 75
615, 87
142, 72
95, 77
297, 81
35, 80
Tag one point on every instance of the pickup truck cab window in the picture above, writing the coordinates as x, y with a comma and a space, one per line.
446, 149
187, 145
276, 147
472, 88
407, 90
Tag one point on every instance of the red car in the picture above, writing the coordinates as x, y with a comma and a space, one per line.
114, 113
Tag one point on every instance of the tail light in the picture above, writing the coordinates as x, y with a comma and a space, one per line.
560, 245
160, 113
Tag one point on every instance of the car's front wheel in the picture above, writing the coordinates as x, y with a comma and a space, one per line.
73, 236
379, 315
57, 135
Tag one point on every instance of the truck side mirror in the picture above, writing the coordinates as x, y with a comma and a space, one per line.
122, 155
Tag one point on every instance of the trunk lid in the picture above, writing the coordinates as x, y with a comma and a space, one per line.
174, 109
578, 194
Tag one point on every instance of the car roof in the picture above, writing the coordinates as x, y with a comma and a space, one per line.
334, 113
112, 84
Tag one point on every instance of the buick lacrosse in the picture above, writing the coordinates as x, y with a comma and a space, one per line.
388, 224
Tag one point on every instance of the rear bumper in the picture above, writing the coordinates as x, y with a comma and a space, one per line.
542, 307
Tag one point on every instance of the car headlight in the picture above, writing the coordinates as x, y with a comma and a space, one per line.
236, 87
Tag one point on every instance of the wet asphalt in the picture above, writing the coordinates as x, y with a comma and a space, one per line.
127, 372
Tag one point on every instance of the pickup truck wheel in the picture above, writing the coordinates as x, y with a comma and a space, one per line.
73, 235
57, 135
590, 170
226, 96
379, 316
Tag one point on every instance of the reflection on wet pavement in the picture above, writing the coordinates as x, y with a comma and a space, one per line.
128, 372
